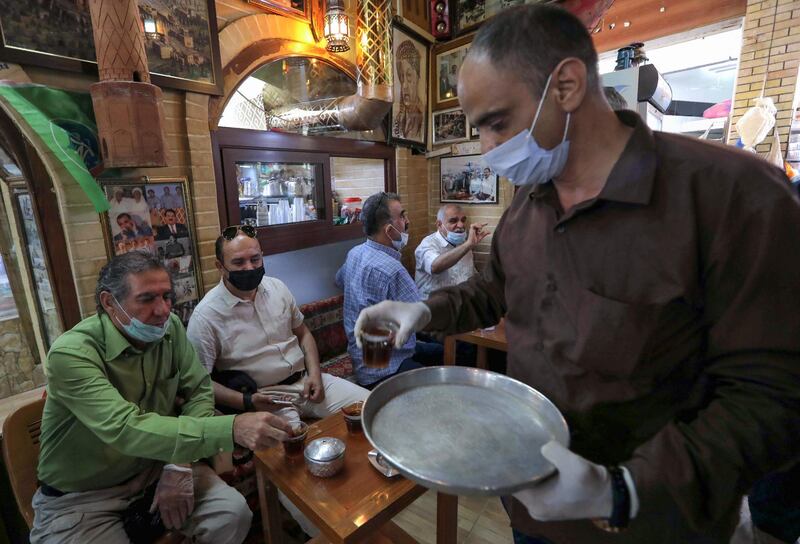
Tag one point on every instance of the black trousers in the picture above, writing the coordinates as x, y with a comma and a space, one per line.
774, 503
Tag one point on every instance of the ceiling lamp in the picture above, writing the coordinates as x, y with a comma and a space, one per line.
151, 29
337, 27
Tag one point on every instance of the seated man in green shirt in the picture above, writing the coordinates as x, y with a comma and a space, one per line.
129, 411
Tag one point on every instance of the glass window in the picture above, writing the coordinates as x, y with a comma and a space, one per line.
353, 180
276, 193
8, 308
38, 268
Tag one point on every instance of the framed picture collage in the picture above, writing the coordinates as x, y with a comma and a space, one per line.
154, 215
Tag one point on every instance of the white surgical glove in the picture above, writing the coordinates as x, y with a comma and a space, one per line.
409, 317
174, 496
580, 489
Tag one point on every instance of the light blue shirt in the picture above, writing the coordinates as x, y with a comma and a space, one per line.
373, 273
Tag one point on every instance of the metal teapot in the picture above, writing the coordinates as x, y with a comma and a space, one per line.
274, 188
296, 187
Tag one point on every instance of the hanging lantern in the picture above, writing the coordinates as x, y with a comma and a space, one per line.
337, 27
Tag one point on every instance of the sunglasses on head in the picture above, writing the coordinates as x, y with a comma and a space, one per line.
230, 232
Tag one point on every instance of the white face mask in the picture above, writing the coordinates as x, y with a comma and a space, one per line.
455, 238
522, 161
402, 242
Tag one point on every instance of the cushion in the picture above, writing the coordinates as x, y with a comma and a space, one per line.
325, 321
340, 366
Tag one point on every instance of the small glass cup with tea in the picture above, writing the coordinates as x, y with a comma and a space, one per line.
376, 345
352, 416
297, 437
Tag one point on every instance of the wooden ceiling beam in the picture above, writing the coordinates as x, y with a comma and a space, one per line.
648, 22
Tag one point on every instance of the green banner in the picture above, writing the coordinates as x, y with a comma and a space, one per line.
64, 120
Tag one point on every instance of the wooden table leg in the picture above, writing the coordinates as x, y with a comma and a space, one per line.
446, 519
449, 350
270, 509
481, 358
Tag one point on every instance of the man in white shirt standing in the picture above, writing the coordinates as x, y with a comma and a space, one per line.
444, 258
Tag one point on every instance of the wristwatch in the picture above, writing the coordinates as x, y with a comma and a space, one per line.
247, 400
621, 504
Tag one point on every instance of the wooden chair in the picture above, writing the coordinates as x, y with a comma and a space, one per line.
21, 454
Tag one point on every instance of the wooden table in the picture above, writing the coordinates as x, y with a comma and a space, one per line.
495, 339
355, 505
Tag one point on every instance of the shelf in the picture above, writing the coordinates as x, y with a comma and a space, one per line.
270, 198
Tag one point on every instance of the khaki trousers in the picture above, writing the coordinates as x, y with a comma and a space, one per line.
220, 516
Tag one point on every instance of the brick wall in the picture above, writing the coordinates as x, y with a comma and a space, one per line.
353, 177
770, 57
412, 186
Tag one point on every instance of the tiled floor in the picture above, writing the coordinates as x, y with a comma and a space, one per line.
480, 520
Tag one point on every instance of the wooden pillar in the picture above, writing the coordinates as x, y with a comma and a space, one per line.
128, 108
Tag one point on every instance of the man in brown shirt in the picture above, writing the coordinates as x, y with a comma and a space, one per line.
649, 285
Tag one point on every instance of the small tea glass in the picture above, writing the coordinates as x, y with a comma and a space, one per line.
296, 442
352, 416
376, 345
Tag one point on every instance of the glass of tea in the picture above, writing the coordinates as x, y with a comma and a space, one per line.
376, 344
352, 416
296, 441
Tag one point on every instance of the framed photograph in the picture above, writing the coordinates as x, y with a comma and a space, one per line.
467, 179
410, 64
154, 215
297, 9
471, 13
450, 126
180, 39
447, 60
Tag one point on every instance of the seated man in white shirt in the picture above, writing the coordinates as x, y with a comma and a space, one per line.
444, 258
249, 330
250, 323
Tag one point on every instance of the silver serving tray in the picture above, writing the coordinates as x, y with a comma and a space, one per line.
463, 431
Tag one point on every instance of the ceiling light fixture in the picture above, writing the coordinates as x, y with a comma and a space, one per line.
337, 27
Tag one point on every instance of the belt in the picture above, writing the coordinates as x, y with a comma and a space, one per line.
292, 379
50, 491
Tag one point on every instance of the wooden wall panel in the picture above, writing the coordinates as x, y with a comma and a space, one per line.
418, 12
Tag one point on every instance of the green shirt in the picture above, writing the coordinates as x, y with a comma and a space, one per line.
110, 410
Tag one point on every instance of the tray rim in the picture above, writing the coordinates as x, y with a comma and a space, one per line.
442, 486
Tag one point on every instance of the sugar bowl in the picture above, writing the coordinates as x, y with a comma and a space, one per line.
324, 456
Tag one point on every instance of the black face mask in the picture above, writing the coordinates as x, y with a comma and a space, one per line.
246, 280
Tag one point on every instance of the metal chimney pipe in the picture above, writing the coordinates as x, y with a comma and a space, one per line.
365, 109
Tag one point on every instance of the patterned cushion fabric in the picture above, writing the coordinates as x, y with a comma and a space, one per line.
340, 366
324, 319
